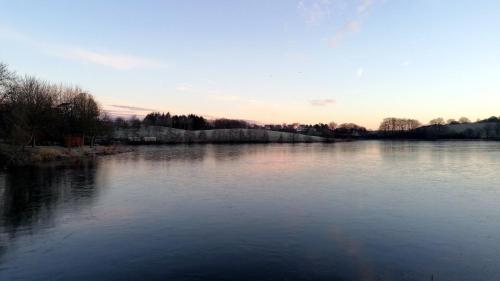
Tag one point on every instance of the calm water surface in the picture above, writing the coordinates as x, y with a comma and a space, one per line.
347, 211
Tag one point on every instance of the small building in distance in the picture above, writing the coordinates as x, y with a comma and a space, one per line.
73, 140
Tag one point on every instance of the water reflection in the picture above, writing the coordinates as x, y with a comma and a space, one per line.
229, 152
344, 211
31, 197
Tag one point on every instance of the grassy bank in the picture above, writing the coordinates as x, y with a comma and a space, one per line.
158, 134
15, 156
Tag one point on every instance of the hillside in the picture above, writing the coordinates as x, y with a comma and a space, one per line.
158, 134
478, 130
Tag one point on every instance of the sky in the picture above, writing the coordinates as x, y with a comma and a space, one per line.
277, 61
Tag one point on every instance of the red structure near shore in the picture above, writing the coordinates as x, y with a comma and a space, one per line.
73, 141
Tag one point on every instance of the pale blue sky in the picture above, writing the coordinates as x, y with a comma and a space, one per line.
271, 61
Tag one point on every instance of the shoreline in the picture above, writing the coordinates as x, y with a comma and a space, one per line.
14, 156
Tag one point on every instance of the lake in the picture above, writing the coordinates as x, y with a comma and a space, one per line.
366, 210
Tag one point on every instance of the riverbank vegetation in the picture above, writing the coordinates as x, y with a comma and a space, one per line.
13, 156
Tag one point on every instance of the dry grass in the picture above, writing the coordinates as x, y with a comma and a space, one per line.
16, 156
48, 154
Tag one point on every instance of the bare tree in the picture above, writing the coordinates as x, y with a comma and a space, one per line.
6, 80
464, 120
332, 125
414, 124
437, 121
31, 105
87, 112
134, 122
32, 110
4, 72
398, 124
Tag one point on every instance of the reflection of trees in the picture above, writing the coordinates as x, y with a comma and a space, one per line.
223, 152
190, 153
265, 136
189, 137
30, 197
395, 147
202, 137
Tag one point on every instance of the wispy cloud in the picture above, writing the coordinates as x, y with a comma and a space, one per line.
349, 28
126, 111
221, 96
123, 113
354, 24
109, 59
322, 102
363, 6
135, 108
119, 112
314, 11
114, 60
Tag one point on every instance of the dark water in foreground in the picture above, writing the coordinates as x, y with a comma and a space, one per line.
347, 211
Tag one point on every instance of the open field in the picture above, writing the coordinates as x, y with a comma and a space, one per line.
158, 134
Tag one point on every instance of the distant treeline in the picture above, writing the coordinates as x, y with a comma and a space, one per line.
195, 122
184, 122
393, 124
192, 122
33, 111
438, 128
331, 130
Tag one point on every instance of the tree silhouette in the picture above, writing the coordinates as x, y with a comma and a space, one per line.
437, 121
